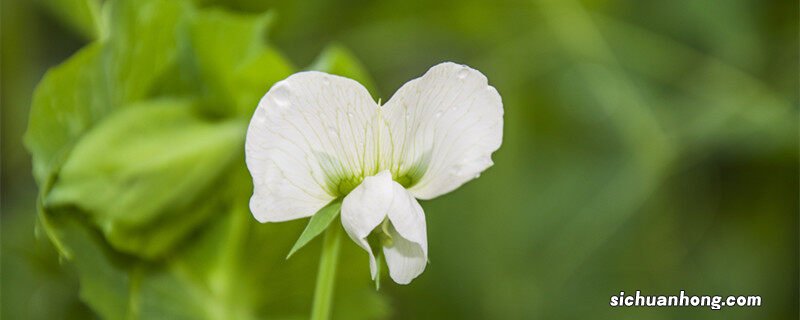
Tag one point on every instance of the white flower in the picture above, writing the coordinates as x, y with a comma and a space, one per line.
316, 137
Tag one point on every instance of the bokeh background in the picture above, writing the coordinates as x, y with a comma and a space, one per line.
649, 145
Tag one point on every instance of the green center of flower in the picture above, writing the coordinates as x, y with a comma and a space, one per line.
383, 234
380, 237
409, 176
341, 177
341, 186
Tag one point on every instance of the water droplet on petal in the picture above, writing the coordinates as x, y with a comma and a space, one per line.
280, 94
326, 81
463, 73
437, 115
350, 114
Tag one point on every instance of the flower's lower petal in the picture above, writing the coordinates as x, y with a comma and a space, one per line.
368, 204
365, 208
407, 255
408, 218
444, 127
310, 134
406, 259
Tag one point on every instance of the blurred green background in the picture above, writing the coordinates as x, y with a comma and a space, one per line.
649, 145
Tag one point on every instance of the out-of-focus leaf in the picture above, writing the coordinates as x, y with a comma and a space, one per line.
139, 171
318, 223
83, 16
141, 46
232, 270
68, 100
336, 59
233, 61
102, 77
42, 287
118, 286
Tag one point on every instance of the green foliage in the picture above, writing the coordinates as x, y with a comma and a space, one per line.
64, 107
80, 15
336, 59
233, 61
316, 224
173, 161
137, 145
106, 75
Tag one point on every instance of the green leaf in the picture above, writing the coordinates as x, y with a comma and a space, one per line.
82, 16
318, 223
142, 45
102, 77
137, 186
68, 100
336, 59
233, 61
118, 286
232, 270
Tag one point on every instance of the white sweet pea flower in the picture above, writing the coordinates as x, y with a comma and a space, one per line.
316, 137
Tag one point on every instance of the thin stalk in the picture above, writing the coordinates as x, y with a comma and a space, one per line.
326, 274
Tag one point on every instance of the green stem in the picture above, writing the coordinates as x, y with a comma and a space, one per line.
326, 274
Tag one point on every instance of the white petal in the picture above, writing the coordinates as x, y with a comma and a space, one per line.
377, 198
408, 218
368, 204
408, 254
309, 132
406, 259
443, 129
365, 208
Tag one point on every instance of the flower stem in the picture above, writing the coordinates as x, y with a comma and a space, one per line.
326, 274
